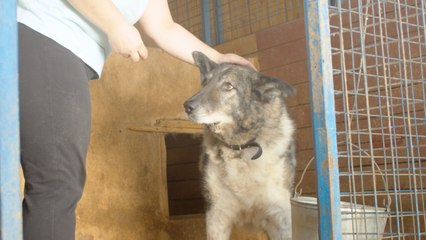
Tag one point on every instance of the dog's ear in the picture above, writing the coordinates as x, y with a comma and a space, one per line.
203, 63
267, 88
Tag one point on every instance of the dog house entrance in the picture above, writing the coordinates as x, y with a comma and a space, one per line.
183, 175
182, 140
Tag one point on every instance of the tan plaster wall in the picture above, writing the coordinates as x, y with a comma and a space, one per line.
124, 192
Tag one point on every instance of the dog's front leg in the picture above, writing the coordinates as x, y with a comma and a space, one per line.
218, 224
278, 221
279, 227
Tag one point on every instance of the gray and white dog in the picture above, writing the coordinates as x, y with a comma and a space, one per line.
248, 161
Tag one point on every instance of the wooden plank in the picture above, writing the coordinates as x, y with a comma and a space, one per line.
189, 171
304, 138
186, 206
169, 126
284, 54
301, 115
182, 140
153, 129
301, 97
185, 155
177, 123
308, 184
294, 72
243, 46
281, 34
184, 189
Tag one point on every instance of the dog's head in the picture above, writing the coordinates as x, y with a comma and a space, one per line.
229, 90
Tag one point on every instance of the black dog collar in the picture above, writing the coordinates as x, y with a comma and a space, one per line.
249, 144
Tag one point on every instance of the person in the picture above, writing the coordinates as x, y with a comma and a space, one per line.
62, 45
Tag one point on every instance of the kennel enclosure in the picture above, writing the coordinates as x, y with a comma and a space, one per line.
366, 64
368, 71
367, 67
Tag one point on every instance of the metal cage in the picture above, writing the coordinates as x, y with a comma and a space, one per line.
366, 62
373, 56
218, 21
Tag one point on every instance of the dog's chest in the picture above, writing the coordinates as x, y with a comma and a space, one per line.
246, 177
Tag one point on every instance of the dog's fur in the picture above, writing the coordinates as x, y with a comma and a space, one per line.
244, 114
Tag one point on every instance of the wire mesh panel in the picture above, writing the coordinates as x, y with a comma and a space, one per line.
231, 19
188, 14
243, 17
379, 71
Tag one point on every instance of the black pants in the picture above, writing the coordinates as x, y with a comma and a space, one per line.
55, 130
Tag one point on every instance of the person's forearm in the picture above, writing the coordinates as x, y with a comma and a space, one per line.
180, 43
103, 13
158, 24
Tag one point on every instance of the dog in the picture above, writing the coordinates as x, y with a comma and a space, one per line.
248, 158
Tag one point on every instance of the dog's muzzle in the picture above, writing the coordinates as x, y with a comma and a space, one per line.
189, 106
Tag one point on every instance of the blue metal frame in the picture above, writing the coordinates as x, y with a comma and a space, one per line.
323, 118
218, 21
10, 199
205, 14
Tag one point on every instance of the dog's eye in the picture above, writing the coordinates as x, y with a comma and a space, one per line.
228, 86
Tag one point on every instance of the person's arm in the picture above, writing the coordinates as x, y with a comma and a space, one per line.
158, 24
123, 37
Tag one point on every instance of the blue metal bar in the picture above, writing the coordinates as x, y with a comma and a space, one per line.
10, 200
323, 117
205, 14
218, 21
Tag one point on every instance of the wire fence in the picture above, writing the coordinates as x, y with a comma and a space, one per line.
378, 50
188, 14
379, 68
225, 20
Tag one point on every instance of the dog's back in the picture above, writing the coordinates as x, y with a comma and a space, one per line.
248, 160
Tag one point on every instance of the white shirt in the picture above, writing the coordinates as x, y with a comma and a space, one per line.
58, 20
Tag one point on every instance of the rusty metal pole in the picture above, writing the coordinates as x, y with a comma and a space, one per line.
323, 118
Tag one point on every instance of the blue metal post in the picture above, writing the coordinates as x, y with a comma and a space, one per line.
218, 21
10, 200
205, 14
323, 117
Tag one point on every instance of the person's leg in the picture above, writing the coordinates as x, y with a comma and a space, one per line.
55, 130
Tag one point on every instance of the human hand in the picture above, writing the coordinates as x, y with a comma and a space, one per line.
234, 58
126, 40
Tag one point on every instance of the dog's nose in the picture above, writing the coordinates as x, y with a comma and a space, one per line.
189, 106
